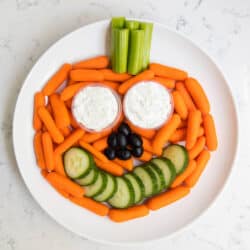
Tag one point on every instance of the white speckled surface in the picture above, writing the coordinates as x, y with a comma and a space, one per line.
29, 27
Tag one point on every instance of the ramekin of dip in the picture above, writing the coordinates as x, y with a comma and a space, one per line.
96, 107
148, 105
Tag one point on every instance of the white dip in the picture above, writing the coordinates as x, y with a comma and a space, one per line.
148, 104
95, 107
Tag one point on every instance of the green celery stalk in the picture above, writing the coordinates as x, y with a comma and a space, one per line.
148, 29
132, 25
118, 22
135, 51
120, 40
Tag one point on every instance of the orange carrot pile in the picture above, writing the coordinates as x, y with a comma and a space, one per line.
48, 151
86, 75
39, 101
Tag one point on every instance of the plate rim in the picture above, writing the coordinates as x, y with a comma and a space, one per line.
213, 200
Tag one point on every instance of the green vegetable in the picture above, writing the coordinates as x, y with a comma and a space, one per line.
132, 25
118, 22
135, 51
148, 30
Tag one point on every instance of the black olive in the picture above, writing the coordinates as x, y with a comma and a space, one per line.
121, 140
123, 154
124, 128
137, 151
135, 140
110, 153
112, 140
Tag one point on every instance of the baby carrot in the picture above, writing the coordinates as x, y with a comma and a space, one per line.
178, 135
69, 141
50, 125
201, 163
92, 137
121, 215
68, 103
110, 167
183, 124
71, 90
145, 75
164, 133
66, 131
101, 144
48, 151
146, 156
49, 108
187, 172
112, 85
39, 101
109, 75
168, 72
65, 184
93, 151
147, 145
179, 105
210, 132
59, 166
62, 193
99, 62
86, 75
147, 133
201, 131
73, 122
128, 164
57, 79
38, 147
185, 95
196, 91
168, 83
60, 111
193, 126
44, 173
167, 198
197, 148
91, 205
70, 82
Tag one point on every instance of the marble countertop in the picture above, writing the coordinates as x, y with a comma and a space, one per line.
29, 27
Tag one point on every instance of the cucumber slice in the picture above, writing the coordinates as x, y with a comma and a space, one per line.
89, 179
148, 179
167, 169
137, 185
110, 189
178, 155
171, 168
77, 163
124, 195
159, 176
98, 186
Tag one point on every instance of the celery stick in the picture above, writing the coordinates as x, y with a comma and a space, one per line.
120, 39
135, 51
118, 22
148, 29
132, 25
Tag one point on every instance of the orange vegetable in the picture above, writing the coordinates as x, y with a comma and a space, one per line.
201, 132
201, 163
183, 124
62, 192
65, 184
48, 151
197, 148
70, 82
187, 172
68, 103
167, 198
178, 135
86, 75
60, 111
146, 156
147, 145
164, 133
49, 108
109, 167
92, 137
128, 164
71, 90
39, 101
59, 166
121, 215
112, 85
196, 91
185, 95
147, 133
109, 75
66, 131
93, 151
101, 144
57, 79
168, 83
69, 141
98, 62
50, 125
38, 147
210, 132
145, 75
168, 72
73, 122
179, 105
91, 205
44, 172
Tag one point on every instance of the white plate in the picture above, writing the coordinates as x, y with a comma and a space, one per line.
169, 48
